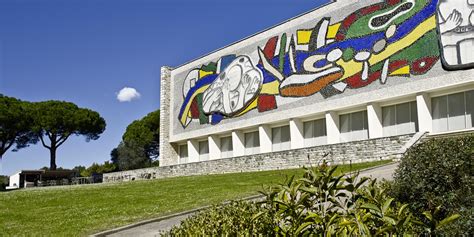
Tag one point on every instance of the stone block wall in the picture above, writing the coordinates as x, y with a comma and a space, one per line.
342, 153
167, 152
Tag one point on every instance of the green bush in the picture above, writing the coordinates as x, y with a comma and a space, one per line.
318, 204
233, 219
438, 174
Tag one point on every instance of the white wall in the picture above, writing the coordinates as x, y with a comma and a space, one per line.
15, 180
374, 118
332, 127
296, 132
265, 135
423, 105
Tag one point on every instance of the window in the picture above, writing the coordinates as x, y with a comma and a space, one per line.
252, 143
183, 153
453, 112
203, 150
226, 147
314, 132
353, 126
400, 119
281, 138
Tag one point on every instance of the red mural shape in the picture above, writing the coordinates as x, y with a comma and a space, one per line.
266, 103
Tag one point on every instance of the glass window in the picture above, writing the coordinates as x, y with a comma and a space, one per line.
203, 150
226, 147
456, 112
452, 112
183, 153
353, 126
314, 132
252, 143
389, 120
440, 113
469, 109
281, 138
344, 123
399, 119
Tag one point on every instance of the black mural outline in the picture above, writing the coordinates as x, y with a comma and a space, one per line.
391, 16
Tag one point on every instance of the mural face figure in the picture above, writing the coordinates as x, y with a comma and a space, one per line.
456, 28
234, 88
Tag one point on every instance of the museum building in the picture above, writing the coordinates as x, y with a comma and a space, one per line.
345, 72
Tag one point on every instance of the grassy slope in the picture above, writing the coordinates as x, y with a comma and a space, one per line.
81, 210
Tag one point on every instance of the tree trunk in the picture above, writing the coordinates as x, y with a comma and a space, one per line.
52, 165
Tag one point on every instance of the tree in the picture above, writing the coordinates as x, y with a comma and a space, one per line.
96, 168
132, 155
3, 182
140, 144
114, 155
79, 169
56, 121
145, 133
15, 124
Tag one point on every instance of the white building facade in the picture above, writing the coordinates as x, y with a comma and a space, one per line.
348, 71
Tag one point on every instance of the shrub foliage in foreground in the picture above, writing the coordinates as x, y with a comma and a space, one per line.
437, 175
319, 203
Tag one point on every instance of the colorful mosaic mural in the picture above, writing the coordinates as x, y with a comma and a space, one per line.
394, 38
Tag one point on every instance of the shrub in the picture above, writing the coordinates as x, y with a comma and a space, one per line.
318, 204
438, 174
233, 219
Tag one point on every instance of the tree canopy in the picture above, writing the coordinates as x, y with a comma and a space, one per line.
15, 124
140, 144
145, 132
56, 121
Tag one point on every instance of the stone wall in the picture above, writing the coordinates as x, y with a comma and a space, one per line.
167, 152
342, 153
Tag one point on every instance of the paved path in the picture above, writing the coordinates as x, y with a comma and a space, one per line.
155, 228
381, 172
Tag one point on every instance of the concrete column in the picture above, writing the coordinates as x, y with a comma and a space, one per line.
265, 135
374, 118
238, 147
214, 147
423, 106
332, 127
296, 133
193, 151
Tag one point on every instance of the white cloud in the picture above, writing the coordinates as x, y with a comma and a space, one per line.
127, 94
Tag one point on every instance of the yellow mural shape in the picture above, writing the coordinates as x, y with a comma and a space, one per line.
332, 31
271, 88
401, 71
203, 73
303, 36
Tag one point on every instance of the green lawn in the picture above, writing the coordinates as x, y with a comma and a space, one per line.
82, 210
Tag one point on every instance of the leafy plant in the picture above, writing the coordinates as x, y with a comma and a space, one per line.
318, 204
436, 179
234, 218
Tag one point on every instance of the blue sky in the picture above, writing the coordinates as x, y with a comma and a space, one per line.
85, 51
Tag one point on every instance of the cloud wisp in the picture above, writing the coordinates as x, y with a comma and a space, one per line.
128, 94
